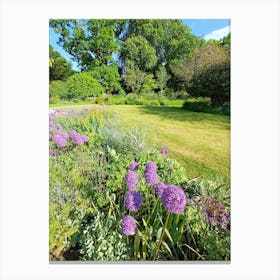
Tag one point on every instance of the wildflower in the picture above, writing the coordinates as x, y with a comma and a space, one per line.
133, 166
133, 200
85, 138
214, 212
58, 127
160, 187
131, 180
151, 166
163, 150
128, 225
51, 116
151, 177
59, 140
174, 199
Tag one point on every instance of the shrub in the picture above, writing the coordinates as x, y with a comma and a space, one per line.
82, 86
58, 89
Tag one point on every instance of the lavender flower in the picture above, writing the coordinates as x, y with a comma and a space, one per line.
133, 166
160, 187
174, 199
151, 177
151, 166
133, 200
128, 225
131, 180
214, 212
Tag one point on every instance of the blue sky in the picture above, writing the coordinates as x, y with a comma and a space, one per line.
206, 28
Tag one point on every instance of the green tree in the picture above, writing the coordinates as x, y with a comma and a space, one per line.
162, 78
82, 86
137, 53
59, 68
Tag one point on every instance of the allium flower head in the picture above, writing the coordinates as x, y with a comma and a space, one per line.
151, 166
151, 177
51, 116
174, 199
58, 127
159, 188
85, 138
131, 180
128, 225
133, 200
60, 141
214, 212
133, 166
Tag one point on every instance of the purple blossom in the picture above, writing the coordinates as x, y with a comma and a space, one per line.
133, 200
58, 127
59, 140
151, 166
163, 150
85, 138
214, 212
151, 177
131, 179
159, 188
133, 166
174, 199
51, 116
128, 225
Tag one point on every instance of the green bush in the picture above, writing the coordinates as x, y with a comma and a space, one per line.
213, 82
82, 86
54, 99
58, 89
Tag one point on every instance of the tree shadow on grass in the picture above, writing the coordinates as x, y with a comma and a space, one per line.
182, 115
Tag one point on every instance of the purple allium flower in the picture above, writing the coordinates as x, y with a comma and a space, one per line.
133, 200
160, 187
51, 116
128, 225
151, 177
85, 138
64, 135
214, 212
58, 127
60, 141
163, 150
174, 199
131, 179
133, 166
76, 137
151, 166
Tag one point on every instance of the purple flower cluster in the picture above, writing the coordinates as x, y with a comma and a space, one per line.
60, 139
133, 200
174, 199
159, 188
214, 212
131, 180
128, 225
163, 150
133, 166
77, 138
150, 173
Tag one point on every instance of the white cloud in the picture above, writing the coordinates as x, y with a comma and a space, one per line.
218, 34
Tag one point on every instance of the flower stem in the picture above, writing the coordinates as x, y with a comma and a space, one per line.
161, 236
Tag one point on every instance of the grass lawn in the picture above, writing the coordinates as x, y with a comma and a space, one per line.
199, 141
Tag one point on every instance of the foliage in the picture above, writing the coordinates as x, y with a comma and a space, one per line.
137, 53
162, 78
58, 88
108, 77
87, 190
59, 68
82, 86
138, 81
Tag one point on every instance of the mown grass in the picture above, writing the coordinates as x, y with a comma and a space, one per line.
199, 141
